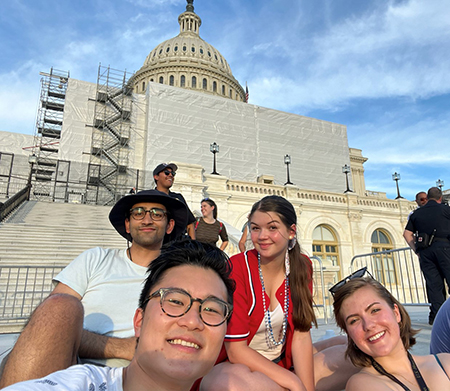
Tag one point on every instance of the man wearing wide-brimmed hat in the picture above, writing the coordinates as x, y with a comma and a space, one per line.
107, 282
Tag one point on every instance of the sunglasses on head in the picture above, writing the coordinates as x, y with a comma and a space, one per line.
168, 172
361, 273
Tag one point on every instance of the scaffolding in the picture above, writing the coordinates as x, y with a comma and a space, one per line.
44, 157
109, 171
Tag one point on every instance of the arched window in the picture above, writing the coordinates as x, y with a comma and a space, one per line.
231, 93
325, 245
171, 80
383, 264
223, 90
194, 82
143, 86
214, 86
183, 81
205, 84
161, 80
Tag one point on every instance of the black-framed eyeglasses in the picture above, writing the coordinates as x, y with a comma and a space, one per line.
156, 214
168, 172
361, 273
176, 302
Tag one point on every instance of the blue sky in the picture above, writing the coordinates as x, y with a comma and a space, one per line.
382, 68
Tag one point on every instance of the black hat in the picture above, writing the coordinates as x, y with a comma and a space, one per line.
177, 211
163, 166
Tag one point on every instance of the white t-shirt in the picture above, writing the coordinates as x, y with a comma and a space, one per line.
76, 378
110, 285
259, 343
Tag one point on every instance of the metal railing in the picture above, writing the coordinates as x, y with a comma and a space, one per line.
320, 294
399, 271
13, 202
22, 289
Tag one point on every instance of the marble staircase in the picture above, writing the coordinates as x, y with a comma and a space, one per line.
51, 233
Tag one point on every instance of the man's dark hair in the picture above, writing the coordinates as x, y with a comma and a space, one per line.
434, 193
188, 252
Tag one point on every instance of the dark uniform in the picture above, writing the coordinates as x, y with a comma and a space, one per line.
434, 260
179, 197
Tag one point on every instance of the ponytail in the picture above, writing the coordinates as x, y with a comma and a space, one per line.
299, 281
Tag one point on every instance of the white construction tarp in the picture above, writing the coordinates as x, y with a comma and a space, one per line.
253, 140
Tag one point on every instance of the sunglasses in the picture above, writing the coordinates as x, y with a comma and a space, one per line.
167, 172
361, 273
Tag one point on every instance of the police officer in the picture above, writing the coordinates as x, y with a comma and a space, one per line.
428, 234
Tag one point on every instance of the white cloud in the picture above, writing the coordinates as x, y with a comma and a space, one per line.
399, 52
19, 98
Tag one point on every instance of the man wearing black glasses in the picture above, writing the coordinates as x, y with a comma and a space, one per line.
105, 283
180, 326
164, 176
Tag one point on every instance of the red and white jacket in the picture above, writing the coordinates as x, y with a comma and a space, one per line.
248, 312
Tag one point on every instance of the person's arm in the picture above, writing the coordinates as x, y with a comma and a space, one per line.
302, 356
224, 245
191, 231
95, 345
243, 240
224, 236
239, 353
409, 237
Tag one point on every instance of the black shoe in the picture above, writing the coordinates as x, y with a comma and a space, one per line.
430, 321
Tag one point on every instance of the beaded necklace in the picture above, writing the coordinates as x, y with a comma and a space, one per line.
270, 338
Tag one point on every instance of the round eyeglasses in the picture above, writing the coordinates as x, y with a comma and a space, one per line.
177, 302
156, 214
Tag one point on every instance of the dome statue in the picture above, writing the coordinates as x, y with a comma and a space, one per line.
187, 61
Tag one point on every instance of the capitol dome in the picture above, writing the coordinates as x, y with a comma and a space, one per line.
187, 61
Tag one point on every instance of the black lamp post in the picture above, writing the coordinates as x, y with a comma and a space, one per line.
396, 178
346, 171
214, 148
440, 184
287, 161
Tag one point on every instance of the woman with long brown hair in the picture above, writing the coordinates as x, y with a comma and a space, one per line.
268, 341
380, 336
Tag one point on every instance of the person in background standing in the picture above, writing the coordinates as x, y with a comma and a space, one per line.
207, 228
164, 176
428, 234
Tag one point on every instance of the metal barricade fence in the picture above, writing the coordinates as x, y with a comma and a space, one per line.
320, 293
399, 271
22, 289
